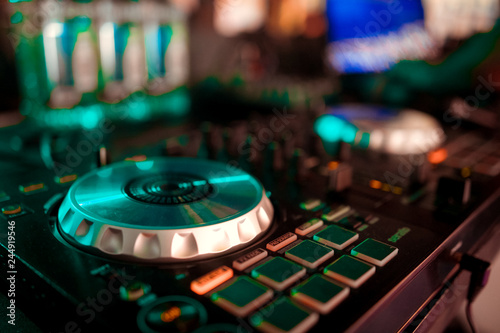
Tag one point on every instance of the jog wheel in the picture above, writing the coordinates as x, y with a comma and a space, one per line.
166, 209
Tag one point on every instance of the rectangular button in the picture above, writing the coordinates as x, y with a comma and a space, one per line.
350, 271
336, 213
32, 188
278, 273
320, 294
249, 259
12, 210
66, 179
375, 252
242, 297
308, 227
309, 253
281, 241
283, 316
336, 237
209, 281
310, 204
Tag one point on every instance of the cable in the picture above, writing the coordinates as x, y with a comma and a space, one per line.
480, 272
468, 315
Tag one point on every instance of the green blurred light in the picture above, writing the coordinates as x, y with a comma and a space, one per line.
138, 110
365, 140
180, 276
81, 23
332, 129
256, 320
237, 81
328, 128
349, 135
16, 18
91, 117
175, 103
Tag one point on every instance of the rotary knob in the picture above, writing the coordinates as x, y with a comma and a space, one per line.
383, 130
165, 209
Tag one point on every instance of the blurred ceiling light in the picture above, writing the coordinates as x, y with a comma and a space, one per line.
107, 47
186, 6
232, 17
294, 17
51, 34
459, 19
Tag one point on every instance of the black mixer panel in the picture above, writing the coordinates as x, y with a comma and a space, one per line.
237, 227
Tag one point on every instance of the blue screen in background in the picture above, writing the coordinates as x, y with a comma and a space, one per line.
372, 35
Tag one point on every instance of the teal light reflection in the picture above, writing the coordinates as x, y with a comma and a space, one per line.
145, 165
334, 129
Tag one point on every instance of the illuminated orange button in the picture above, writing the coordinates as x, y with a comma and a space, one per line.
209, 281
437, 156
9, 210
375, 184
171, 314
333, 165
31, 188
66, 179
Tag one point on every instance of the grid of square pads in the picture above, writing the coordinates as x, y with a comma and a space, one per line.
299, 278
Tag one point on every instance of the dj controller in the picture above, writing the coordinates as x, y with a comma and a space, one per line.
266, 224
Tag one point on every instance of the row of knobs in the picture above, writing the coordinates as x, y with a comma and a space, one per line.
289, 152
266, 148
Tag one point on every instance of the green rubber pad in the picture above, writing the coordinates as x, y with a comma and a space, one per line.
241, 292
309, 253
277, 269
374, 251
350, 271
282, 314
336, 237
318, 288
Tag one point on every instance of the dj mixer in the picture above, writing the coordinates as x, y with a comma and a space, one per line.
265, 224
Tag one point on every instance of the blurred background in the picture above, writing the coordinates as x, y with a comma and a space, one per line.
68, 65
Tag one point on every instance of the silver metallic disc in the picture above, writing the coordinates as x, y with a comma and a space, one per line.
392, 131
166, 208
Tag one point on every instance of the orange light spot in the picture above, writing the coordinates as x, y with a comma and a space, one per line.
137, 158
397, 190
375, 184
466, 172
437, 156
333, 165
171, 314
